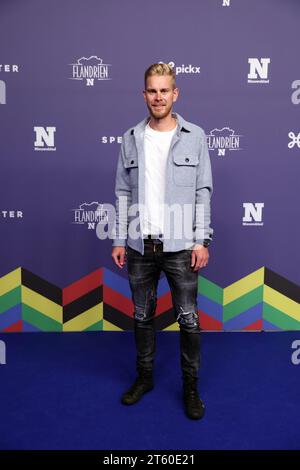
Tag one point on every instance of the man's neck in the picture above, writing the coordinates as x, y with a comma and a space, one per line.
163, 125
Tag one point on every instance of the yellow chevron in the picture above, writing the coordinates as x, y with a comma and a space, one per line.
173, 327
39, 302
85, 319
243, 286
10, 281
107, 326
281, 302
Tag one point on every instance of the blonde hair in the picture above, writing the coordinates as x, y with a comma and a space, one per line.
160, 69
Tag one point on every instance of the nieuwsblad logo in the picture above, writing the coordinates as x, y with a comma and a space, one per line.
44, 138
223, 139
253, 213
183, 69
258, 70
89, 69
294, 140
90, 214
296, 94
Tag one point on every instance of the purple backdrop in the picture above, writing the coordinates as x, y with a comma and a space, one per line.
38, 43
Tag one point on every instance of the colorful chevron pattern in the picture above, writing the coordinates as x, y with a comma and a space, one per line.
262, 300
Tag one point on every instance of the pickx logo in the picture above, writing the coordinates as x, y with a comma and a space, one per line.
295, 140
186, 69
90, 214
90, 69
222, 140
44, 138
253, 213
258, 70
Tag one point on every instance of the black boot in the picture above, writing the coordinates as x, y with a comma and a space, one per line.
194, 406
142, 384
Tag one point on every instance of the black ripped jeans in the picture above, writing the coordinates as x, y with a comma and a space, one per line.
144, 272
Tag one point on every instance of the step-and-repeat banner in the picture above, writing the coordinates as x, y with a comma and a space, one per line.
71, 81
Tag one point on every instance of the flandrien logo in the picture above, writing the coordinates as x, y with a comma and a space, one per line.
2, 353
90, 69
90, 214
222, 140
183, 69
295, 358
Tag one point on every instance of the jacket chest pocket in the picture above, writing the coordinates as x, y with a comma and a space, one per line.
131, 165
184, 169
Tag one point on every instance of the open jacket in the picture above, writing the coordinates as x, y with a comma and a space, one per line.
188, 187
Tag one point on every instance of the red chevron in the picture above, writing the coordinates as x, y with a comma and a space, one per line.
118, 301
209, 323
15, 327
257, 325
82, 286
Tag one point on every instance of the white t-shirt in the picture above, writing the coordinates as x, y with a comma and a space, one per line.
156, 148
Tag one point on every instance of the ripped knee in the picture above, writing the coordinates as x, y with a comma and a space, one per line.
188, 318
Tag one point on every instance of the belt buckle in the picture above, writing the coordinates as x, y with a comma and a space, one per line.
156, 243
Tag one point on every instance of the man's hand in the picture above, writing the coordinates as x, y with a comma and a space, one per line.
200, 257
119, 255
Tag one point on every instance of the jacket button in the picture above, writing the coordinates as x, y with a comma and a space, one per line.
187, 159
132, 162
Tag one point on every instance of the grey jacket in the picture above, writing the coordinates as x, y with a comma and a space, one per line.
188, 188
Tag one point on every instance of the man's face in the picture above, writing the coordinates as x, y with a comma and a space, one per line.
160, 95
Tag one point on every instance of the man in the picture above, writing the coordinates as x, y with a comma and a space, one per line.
163, 170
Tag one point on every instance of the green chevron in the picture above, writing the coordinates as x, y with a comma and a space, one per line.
243, 303
278, 318
10, 299
210, 290
36, 318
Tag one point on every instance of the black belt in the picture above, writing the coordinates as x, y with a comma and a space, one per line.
152, 237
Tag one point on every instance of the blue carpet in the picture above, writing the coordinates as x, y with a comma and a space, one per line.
62, 391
